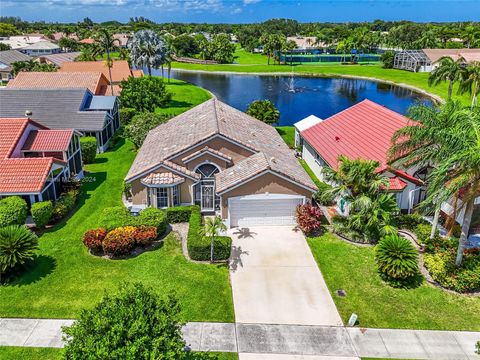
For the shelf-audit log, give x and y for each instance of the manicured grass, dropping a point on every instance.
(184, 97)
(320, 184)
(352, 268)
(66, 279)
(32, 353)
(288, 135)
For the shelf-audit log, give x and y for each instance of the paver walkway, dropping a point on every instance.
(282, 342)
(275, 279)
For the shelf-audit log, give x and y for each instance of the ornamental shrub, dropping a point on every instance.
(178, 214)
(13, 211)
(152, 217)
(119, 241)
(477, 349)
(144, 94)
(308, 218)
(134, 323)
(64, 204)
(42, 213)
(144, 235)
(396, 257)
(88, 145)
(93, 239)
(17, 245)
(409, 221)
(126, 115)
(118, 216)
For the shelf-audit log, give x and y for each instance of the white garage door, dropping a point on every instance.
(268, 209)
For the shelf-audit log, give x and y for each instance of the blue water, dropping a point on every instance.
(322, 97)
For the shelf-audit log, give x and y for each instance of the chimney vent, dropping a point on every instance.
(28, 113)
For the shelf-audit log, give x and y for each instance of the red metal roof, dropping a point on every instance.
(362, 131)
(48, 140)
(396, 184)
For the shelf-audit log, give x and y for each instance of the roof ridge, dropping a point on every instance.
(215, 114)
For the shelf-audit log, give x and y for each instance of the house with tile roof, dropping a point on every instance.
(224, 160)
(35, 161)
(363, 131)
(58, 59)
(7, 58)
(69, 108)
(96, 82)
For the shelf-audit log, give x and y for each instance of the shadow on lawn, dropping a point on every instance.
(179, 104)
(35, 270)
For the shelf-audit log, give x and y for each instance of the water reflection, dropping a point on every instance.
(322, 97)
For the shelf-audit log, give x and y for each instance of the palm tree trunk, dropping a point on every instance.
(149, 68)
(467, 219)
(453, 217)
(211, 249)
(169, 69)
(436, 216)
(450, 88)
(109, 64)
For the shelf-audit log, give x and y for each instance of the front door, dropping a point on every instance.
(208, 197)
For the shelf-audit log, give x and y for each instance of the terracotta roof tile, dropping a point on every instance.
(396, 184)
(207, 149)
(166, 178)
(120, 69)
(24, 175)
(48, 140)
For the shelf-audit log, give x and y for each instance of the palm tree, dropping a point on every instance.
(212, 228)
(148, 49)
(106, 41)
(470, 81)
(448, 70)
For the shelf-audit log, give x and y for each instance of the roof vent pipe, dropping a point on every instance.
(28, 113)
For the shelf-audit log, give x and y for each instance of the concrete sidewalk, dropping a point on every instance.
(262, 341)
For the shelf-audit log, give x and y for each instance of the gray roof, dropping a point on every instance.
(60, 58)
(10, 56)
(41, 45)
(216, 118)
(55, 108)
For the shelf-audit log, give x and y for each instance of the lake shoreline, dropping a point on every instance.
(436, 99)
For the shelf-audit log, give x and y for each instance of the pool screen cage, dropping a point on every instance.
(411, 60)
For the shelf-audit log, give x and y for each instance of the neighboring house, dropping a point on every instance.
(77, 109)
(35, 161)
(96, 82)
(306, 42)
(363, 131)
(59, 35)
(7, 58)
(87, 41)
(426, 60)
(120, 71)
(121, 39)
(41, 48)
(303, 125)
(58, 59)
(21, 41)
(223, 160)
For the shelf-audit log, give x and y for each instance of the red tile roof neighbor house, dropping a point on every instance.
(362, 131)
(48, 140)
(120, 69)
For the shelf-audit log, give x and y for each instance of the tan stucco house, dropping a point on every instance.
(223, 160)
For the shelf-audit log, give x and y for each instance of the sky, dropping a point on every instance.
(242, 11)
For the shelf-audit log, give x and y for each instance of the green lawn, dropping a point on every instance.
(352, 268)
(288, 135)
(32, 353)
(184, 96)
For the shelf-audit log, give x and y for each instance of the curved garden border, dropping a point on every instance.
(435, 98)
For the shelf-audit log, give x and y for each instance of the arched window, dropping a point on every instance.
(207, 171)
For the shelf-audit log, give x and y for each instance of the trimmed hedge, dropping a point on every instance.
(119, 216)
(42, 213)
(13, 211)
(199, 246)
(126, 115)
(179, 214)
(64, 204)
(88, 145)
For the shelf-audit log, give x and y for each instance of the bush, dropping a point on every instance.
(126, 115)
(477, 349)
(118, 216)
(387, 59)
(134, 323)
(152, 217)
(179, 214)
(199, 246)
(144, 94)
(141, 124)
(396, 257)
(119, 241)
(308, 218)
(264, 110)
(409, 221)
(88, 145)
(17, 245)
(13, 211)
(144, 235)
(93, 239)
(42, 213)
(64, 204)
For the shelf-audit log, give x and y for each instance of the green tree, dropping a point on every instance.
(17, 245)
(221, 50)
(447, 70)
(141, 124)
(89, 52)
(8, 29)
(106, 41)
(31, 65)
(134, 323)
(387, 59)
(212, 228)
(4, 47)
(144, 93)
(264, 110)
(184, 45)
(148, 49)
(470, 81)
(69, 44)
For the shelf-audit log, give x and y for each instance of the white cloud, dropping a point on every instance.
(248, 2)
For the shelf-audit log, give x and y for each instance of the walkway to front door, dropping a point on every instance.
(275, 279)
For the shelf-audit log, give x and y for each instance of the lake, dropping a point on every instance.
(302, 96)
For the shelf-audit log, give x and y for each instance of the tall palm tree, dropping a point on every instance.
(147, 49)
(212, 228)
(106, 41)
(448, 70)
(470, 81)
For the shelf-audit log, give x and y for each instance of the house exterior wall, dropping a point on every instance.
(310, 157)
(267, 183)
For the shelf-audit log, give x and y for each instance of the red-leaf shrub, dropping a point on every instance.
(92, 239)
(308, 218)
(144, 235)
(119, 241)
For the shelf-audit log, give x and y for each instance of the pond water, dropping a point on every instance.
(299, 97)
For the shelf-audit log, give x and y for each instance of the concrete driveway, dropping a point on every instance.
(275, 279)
